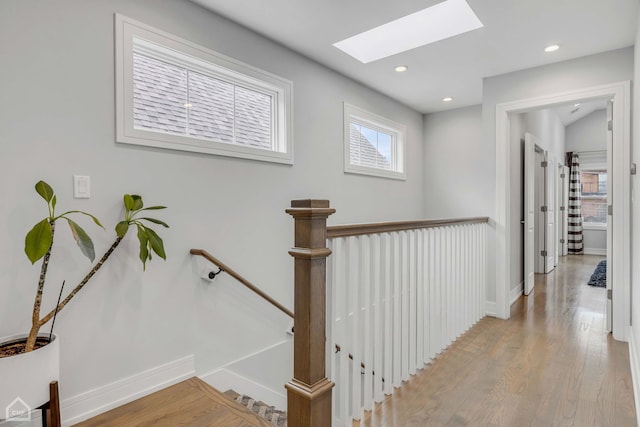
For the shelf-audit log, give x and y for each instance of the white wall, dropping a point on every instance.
(548, 128)
(57, 119)
(635, 225)
(589, 71)
(454, 160)
(590, 134)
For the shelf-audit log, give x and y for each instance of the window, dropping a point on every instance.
(373, 145)
(171, 93)
(594, 196)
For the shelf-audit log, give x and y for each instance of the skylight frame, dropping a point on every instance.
(441, 21)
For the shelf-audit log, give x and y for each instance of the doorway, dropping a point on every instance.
(620, 214)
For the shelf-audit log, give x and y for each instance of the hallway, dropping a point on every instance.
(551, 364)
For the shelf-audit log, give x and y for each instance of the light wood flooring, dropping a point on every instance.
(551, 364)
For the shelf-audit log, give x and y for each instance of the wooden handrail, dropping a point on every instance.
(206, 255)
(386, 227)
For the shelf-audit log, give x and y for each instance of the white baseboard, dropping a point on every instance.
(594, 251)
(224, 379)
(491, 308)
(516, 292)
(94, 402)
(635, 372)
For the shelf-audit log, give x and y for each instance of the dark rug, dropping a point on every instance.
(599, 276)
(275, 417)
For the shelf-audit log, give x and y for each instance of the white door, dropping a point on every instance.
(609, 309)
(529, 211)
(558, 200)
(564, 211)
(550, 216)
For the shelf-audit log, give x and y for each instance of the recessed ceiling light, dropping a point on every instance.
(401, 68)
(552, 48)
(446, 19)
(447, 99)
(187, 105)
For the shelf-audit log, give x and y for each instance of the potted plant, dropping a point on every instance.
(29, 362)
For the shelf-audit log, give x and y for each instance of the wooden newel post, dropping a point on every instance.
(309, 392)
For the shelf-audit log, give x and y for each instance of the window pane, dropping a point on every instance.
(159, 95)
(211, 111)
(253, 118)
(384, 151)
(594, 196)
(369, 147)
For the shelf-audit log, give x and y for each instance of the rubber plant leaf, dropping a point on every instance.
(137, 202)
(128, 202)
(154, 208)
(156, 221)
(38, 240)
(121, 228)
(156, 243)
(144, 251)
(82, 239)
(44, 190)
(96, 220)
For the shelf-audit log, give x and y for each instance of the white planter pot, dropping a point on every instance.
(27, 376)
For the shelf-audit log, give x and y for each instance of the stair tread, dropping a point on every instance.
(189, 403)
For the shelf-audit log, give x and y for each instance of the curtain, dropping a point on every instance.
(574, 243)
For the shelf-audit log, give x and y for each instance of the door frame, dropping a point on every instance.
(620, 93)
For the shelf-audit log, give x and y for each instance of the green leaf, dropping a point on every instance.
(96, 220)
(156, 243)
(154, 208)
(144, 251)
(44, 190)
(156, 221)
(137, 202)
(82, 239)
(38, 241)
(128, 202)
(54, 200)
(121, 228)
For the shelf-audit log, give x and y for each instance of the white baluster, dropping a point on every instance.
(386, 254)
(354, 335)
(367, 341)
(397, 320)
(377, 264)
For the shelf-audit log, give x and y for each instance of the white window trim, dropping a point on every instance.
(594, 226)
(375, 121)
(210, 63)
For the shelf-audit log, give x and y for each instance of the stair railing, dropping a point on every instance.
(226, 269)
(398, 294)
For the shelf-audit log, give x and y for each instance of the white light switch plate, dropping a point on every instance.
(81, 187)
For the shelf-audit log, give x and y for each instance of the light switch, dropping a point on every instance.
(81, 187)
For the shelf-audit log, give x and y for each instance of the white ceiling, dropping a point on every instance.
(513, 38)
(570, 113)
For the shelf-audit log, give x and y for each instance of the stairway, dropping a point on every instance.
(189, 403)
(275, 417)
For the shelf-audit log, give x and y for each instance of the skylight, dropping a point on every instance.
(438, 22)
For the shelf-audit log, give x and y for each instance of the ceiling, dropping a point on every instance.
(513, 38)
(574, 111)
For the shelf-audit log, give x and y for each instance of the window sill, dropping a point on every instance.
(591, 226)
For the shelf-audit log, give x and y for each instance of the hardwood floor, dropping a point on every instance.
(188, 403)
(551, 364)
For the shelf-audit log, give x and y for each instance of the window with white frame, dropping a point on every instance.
(171, 93)
(594, 187)
(373, 145)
